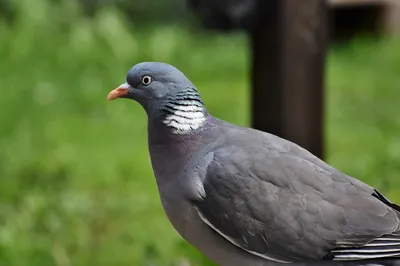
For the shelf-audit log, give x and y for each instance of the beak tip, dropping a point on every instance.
(110, 97)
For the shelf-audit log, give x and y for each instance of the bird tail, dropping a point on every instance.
(386, 246)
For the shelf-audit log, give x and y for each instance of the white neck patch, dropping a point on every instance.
(184, 116)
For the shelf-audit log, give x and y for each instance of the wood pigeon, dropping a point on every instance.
(246, 197)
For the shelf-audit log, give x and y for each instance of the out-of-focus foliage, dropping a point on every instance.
(363, 118)
(138, 11)
(76, 185)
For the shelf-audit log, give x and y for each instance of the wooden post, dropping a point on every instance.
(288, 67)
(391, 17)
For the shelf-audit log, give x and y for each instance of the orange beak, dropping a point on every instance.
(119, 92)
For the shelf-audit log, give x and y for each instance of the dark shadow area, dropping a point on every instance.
(349, 21)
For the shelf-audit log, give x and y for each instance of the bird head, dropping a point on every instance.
(165, 93)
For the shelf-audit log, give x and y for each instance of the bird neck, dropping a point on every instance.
(184, 112)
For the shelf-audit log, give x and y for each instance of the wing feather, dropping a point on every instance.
(239, 245)
(381, 247)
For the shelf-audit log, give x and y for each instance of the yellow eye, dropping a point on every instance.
(146, 80)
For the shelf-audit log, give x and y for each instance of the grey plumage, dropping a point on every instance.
(246, 197)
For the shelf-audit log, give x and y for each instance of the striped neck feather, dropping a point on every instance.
(184, 111)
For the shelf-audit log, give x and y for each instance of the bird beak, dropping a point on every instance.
(119, 92)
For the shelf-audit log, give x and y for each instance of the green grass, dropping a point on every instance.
(76, 184)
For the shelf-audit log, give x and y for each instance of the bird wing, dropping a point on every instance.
(282, 207)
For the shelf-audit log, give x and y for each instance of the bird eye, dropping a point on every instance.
(146, 80)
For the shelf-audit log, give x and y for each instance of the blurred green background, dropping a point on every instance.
(76, 184)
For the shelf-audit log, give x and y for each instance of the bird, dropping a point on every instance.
(247, 197)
